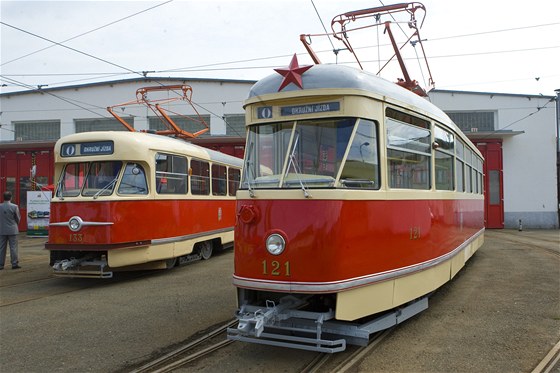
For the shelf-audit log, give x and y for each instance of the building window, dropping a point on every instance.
(190, 124)
(475, 121)
(37, 130)
(235, 125)
(101, 124)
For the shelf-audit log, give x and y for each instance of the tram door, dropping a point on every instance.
(493, 183)
(16, 177)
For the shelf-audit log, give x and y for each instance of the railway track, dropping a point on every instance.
(44, 285)
(345, 361)
(189, 352)
(214, 340)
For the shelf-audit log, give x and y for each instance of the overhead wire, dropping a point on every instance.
(73, 102)
(13, 81)
(335, 51)
(202, 68)
(70, 48)
(88, 32)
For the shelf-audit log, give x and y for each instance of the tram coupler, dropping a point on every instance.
(83, 267)
(253, 319)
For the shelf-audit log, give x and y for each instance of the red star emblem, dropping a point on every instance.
(292, 74)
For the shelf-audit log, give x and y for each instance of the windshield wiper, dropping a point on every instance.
(247, 166)
(106, 187)
(60, 189)
(293, 162)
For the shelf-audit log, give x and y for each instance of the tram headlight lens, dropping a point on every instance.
(275, 244)
(75, 223)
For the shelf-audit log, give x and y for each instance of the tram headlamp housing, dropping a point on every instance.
(275, 244)
(75, 223)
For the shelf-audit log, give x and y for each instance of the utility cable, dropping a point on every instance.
(335, 51)
(70, 48)
(88, 32)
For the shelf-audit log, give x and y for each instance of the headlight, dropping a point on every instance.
(75, 223)
(275, 244)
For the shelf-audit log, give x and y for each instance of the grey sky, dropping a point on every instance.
(489, 46)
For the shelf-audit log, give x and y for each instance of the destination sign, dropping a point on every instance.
(89, 148)
(309, 108)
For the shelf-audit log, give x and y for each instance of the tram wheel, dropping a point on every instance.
(170, 263)
(205, 249)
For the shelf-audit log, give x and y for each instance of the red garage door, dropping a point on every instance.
(493, 182)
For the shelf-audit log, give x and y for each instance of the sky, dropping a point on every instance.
(477, 45)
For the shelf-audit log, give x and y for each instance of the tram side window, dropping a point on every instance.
(234, 175)
(479, 177)
(133, 180)
(171, 174)
(460, 154)
(408, 151)
(200, 175)
(219, 180)
(444, 158)
(468, 171)
(361, 169)
(72, 180)
(102, 178)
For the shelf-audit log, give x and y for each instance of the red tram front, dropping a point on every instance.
(357, 197)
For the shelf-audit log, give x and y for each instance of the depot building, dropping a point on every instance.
(517, 134)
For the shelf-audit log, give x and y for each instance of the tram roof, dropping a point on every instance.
(325, 76)
(140, 141)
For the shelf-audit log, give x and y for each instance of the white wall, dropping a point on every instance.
(529, 158)
(90, 101)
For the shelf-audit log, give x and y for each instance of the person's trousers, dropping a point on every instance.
(4, 241)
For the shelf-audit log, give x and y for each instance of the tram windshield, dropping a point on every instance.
(90, 179)
(324, 153)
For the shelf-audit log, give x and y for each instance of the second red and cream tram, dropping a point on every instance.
(134, 200)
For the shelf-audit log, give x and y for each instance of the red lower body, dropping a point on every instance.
(136, 222)
(337, 240)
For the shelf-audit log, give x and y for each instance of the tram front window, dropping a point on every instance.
(102, 178)
(133, 180)
(72, 180)
(308, 154)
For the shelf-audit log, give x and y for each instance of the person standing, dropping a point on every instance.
(9, 220)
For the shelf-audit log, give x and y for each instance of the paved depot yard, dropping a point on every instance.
(500, 314)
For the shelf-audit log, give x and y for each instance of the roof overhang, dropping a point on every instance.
(493, 134)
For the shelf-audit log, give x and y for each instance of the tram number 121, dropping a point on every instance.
(414, 233)
(276, 268)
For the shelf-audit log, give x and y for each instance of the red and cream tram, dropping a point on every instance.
(134, 200)
(358, 199)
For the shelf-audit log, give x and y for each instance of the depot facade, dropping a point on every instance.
(517, 134)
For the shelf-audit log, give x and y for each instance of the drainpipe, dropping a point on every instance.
(558, 150)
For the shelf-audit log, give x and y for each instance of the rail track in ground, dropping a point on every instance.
(344, 361)
(209, 342)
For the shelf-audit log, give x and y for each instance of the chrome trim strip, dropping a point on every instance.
(160, 241)
(85, 223)
(336, 286)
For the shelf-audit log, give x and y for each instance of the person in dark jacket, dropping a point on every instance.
(9, 220)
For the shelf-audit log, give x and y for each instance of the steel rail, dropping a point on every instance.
(166, 359)
(318, 364)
